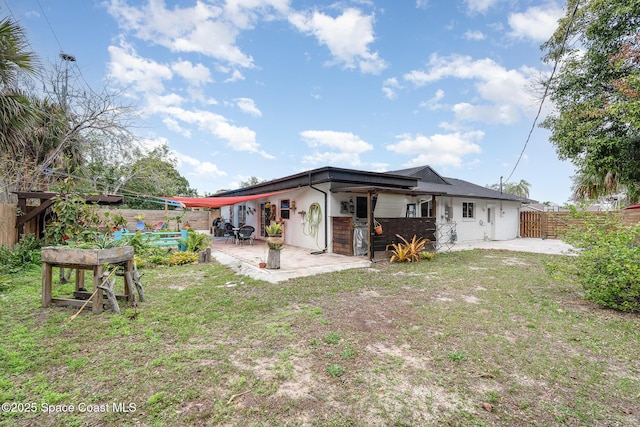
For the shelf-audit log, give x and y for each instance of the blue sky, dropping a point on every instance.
(268, 88)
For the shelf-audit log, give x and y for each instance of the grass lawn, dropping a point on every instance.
(470, 338)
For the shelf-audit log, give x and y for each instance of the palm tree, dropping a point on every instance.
(520, 189)
(16, 110)
(589, 186)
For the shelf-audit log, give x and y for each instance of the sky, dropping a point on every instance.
(269, 88)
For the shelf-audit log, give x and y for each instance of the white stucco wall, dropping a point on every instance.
(504, 214)
(298, 231)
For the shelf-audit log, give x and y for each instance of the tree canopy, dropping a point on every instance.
(596, 90)
(520, 188)
(65, 131)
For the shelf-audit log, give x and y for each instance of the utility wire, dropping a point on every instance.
(546, 89)
(50, 27)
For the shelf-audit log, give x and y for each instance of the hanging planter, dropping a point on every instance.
(377, 227)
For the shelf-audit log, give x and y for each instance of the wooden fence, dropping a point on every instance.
(8, 232)
(554, 225)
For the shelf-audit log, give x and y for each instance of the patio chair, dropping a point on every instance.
(228, 232)
(245, 234)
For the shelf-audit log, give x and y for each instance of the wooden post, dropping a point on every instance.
(46, 284)
(138, 282)
(107, 286)
(79, 279)
(128, 282)
(273, 259)
(97, 297)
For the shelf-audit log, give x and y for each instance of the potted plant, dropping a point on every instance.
(275, 242)
(119, 221)
(274, 229)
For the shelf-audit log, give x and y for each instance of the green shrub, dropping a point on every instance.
(181, 258)
(25, 253)
(608, 262)
(195, 242)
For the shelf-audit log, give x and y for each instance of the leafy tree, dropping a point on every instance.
(155, 174)
(596, 90)
(520, 188)
(45, 133)
(249, 182)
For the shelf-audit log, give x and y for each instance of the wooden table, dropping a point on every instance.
(81, 260)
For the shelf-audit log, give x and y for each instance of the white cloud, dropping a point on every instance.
(506, 92)
(437, 150)
(189, 29)
(480, 5)
(473, 35)
(248, 106)
(505, 114)
(434, 103)
(236, 75)
(422, 4)
(536, 23)
(196, 75)
(389, 87)
(347, 37)
(128, 69)
(237, 138)
(197, 167)
(344, 147)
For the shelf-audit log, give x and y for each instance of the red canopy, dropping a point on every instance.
(216, 202)
(633, 207)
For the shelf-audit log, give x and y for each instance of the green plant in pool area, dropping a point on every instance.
(335, 370)
(195, 242)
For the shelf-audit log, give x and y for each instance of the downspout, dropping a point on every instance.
(326, 226)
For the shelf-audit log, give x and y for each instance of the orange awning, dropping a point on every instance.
(217, 202)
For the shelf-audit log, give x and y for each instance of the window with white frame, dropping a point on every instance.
(468, 210)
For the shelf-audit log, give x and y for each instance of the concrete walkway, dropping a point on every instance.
(540, 246)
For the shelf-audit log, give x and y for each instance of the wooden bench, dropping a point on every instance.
(157, 238)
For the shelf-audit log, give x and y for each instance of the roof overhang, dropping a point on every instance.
(378, 190)
(335, 176)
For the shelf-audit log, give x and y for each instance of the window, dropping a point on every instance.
(284, 208)
(468, 210)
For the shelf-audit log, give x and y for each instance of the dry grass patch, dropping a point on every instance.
(469, 338)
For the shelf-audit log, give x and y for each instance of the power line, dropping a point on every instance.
(546, 89)
(49, 24)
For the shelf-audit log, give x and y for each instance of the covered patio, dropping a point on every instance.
(294, 261)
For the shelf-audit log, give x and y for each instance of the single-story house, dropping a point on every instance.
(336, 210)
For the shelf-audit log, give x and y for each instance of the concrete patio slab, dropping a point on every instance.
(294, 261)
(541, 246)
